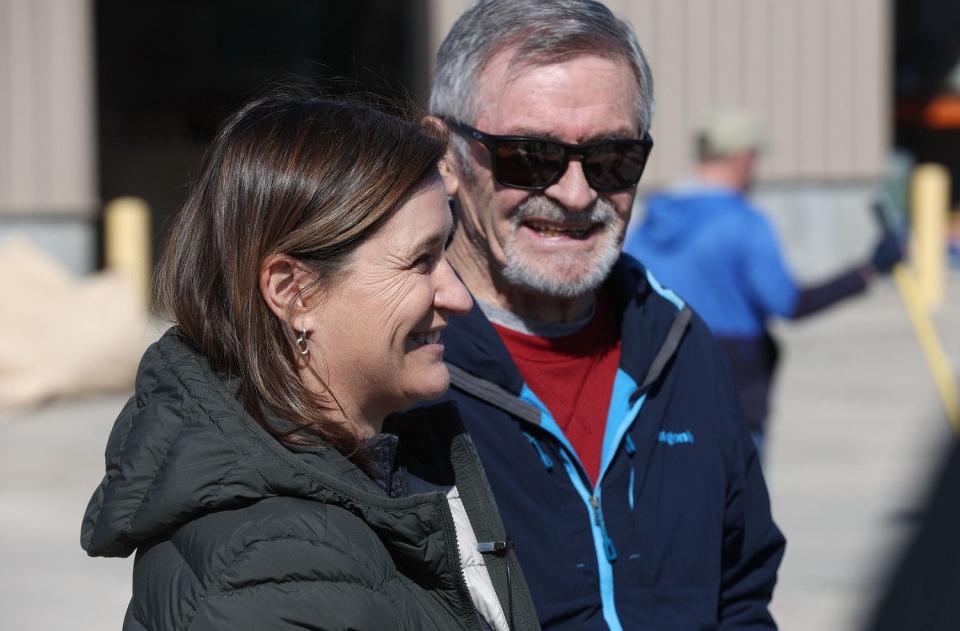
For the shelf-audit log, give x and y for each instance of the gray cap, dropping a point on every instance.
(724, 133)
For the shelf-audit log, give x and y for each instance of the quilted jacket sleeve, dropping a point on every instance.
(269, 566)
(335, 601)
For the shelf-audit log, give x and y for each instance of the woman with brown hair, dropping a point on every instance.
(264, 471)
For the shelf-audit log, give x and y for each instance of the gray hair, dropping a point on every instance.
(542, 31)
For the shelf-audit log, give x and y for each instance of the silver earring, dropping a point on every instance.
(303, 345)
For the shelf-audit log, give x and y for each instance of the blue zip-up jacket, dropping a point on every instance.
(677, 532)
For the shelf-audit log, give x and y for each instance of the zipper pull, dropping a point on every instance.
(608, 546)
(631, 447)
(494, 547)
(544, 456)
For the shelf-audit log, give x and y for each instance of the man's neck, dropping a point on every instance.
(527, 326)
(483, 282)
(721, 174)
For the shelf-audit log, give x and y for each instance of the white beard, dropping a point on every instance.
(563, 276)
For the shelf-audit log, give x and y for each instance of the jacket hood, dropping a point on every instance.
(675, 216)
(184, 446)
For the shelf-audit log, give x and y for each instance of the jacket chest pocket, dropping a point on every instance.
(668, 520)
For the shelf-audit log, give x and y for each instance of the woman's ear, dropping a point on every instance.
(282, 279)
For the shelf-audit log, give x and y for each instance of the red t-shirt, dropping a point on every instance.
(573, 376)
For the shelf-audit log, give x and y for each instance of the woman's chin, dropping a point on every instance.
(433, 386)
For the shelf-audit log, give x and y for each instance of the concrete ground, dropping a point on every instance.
(856, 430)
(50, 462)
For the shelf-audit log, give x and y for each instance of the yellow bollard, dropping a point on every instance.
(126, 226)
(933, 351)
(929, 203)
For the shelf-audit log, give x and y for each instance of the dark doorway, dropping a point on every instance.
(927, 83)
(169, 71)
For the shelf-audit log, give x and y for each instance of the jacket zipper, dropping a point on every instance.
(501, 548)
(594, 489)
(591, 497)
(453, 551)
(608, 546)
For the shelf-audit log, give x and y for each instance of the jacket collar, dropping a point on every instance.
(651, 328)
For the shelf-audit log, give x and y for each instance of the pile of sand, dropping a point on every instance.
(61, 334)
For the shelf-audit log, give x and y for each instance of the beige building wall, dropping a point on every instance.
(48, 153)
(814, 72)
(47, 122)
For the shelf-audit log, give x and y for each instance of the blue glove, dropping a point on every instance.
(887, 253)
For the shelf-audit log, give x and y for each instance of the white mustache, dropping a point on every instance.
(602, 212)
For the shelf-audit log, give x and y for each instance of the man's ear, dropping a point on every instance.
(282, 278)
(449, 171)
(449, 166)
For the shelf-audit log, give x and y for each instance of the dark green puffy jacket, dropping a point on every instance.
(235, 531)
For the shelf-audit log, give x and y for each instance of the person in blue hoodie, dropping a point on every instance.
(602, 409)
(705, 240)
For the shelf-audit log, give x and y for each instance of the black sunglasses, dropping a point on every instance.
(537, 163)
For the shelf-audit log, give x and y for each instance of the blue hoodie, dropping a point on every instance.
(720, 254)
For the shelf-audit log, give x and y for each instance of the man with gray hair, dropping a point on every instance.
(603, 411)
